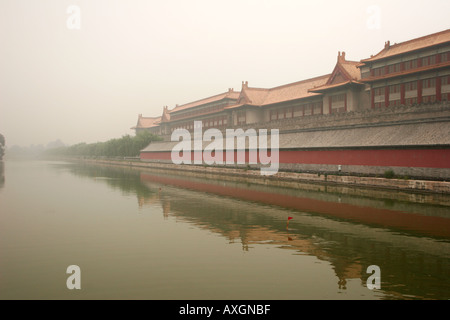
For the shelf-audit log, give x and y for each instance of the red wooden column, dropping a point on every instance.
(386, 96)
(345, 102)
(438, 89)
(419, 90)
(402, 94)
(372, 98)
(329, 103)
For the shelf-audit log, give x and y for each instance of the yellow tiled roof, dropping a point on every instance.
(296, 90)
(230, 94)
(351, 67)
(411, 45)
(288, 92)
(147, 122)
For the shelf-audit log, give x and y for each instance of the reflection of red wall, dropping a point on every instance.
(425, 158)
(430, 225)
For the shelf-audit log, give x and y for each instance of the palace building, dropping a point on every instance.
(147, 123)
(364, 116)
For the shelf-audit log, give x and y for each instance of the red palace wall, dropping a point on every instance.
(420, 158)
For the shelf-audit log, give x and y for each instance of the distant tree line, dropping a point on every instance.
(127, 146)
(2, 146)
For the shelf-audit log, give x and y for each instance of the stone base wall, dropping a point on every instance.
(322, 169)
(333, 179)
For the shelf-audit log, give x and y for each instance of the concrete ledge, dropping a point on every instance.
(369, 182)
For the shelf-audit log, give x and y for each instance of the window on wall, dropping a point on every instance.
(411, 93)
(394, 89)
(427, 61)
(338, 98)
(411, 64)
(411, 86)
(241, 117)
(429, 90)
(391, 68)
(379, 92)
(445, 56)
(394, 68)
(273, 115)
(318, 108)
(288, 112)
(338, 103)
(445, 88)
(214, 122)
(429, 83)
(308, 109)
(394, 95)
(379, 97)
(379, 71)
(298, 111)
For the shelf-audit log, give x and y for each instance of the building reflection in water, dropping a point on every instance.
(349, 235)
(408, 238)
(156, 199)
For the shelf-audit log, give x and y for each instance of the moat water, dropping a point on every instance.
(148, 234)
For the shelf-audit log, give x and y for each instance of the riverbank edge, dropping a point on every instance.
(440, 187)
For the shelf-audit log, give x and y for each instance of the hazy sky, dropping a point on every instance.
(136, 56)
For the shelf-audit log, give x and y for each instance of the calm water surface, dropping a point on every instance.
(161, 235)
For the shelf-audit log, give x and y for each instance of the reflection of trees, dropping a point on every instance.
(2, 174)
(120, 178)
(2, 146)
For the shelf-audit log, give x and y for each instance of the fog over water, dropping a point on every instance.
(88, 84)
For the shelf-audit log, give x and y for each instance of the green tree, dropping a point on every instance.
(126, 146)
(2, 146)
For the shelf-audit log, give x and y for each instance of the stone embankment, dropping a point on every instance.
(281, 177)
